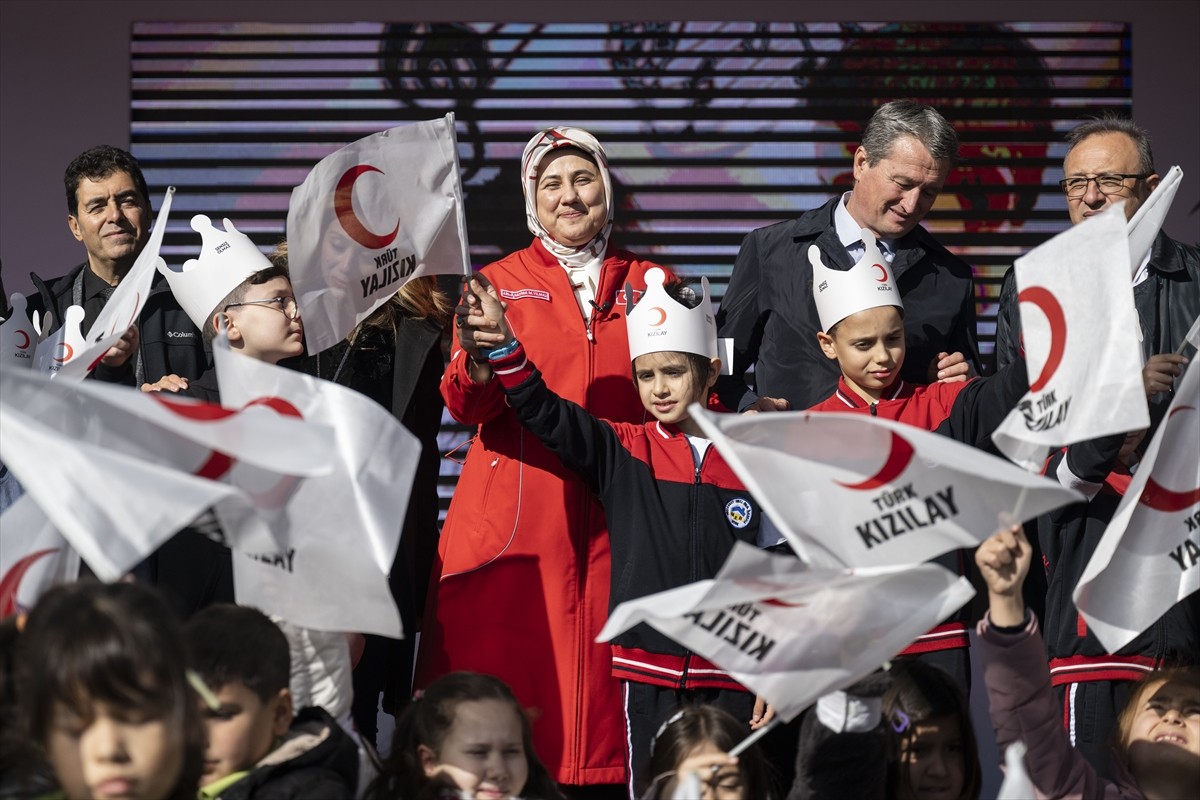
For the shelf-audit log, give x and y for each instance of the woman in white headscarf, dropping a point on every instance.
(521, 589)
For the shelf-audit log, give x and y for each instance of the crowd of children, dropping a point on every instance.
(106, 692)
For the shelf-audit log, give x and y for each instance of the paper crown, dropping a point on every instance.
(659, 323)
(18, 336)
(840, 293)
(227, 257)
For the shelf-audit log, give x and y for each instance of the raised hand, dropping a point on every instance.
(1003, 561)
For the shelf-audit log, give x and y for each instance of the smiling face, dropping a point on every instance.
(112, 220)
(113, 754)
(1165, 728)
(263, 331)
(893, 196)
(1106, 154)
(869, 348)
(570, 198)
(484, 751)
(668, 382)
(933, 758)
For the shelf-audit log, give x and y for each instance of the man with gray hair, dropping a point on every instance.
(900, 167)
(1109, 160)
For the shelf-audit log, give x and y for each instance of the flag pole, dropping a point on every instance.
(1192, 336)
(744, 744)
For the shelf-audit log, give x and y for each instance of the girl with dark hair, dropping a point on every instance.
(465, 737)
(932, 754)
(693, 746)
(102, 690)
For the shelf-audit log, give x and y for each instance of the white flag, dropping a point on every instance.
(370, 217)
(851, 490)
(118, 471)
(1149, 556)
(1017, 784)
(34, 557)
(792, 634)
(123, 307)
(1150, 216)
(1079, 327)
(337, 534)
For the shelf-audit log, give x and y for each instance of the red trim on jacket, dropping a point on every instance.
(1082, 669)
(947, 636)
(675, 672)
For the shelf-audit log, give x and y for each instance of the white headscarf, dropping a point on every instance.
(592, 252)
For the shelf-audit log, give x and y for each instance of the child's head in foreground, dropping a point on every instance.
(862, 320)
(102, 689)
(466, 730)
(1158, 733)
(233, 285)
(703, 730)
(243, 657)
(932, 754)
(673, 347)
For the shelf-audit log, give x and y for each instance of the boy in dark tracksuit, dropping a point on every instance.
(674, 507)
(863, 330)
(1092, 684)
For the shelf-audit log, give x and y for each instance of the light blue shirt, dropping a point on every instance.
(850, 234)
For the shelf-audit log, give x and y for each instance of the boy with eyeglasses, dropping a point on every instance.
(234, 286)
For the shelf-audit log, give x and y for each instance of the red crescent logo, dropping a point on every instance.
(662, 317)
(11, 581)
(882, 272)
(217, 463)
(23, 345)
(897, 461)
(1160, 498)
(67, 353)
(1041, 297)
(782, 603)
(344, 207)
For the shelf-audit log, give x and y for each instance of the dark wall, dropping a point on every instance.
(64, 79)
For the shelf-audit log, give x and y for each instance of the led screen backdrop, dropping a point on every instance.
(712, 128)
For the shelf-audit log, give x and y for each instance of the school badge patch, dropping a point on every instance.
(738, 511)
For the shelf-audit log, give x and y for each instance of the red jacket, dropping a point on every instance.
(522, 578)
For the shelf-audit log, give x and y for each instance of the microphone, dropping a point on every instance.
(601, 309)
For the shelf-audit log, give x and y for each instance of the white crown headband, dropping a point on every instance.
(227, 257)
(659, 323)
(840, 293)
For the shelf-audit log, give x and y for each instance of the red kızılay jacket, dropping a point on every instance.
(520, 588)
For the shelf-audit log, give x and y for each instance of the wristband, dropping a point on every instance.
(503, 351)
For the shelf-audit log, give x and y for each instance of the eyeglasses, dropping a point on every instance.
(284, 305)
(1112, 183)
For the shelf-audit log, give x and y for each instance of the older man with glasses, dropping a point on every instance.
(1109, 160)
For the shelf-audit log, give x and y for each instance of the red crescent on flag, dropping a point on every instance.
(67, 353)
(343, 205)
(1041, 297)
(25, 344)
(217, 463)
(1160, 498)
(897, 461)
(782, 603)
(11, 581)
(662, 317)
(882, 272)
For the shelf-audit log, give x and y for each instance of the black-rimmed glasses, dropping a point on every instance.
(284, 305)
(1109, 183)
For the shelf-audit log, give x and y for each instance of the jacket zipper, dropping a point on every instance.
(693, 544)
(873, 405)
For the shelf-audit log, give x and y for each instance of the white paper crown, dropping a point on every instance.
(227, 257)
(659, 323)
(840, 293)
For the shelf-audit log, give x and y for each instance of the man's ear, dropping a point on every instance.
(826, 342)
(1152, 183)
(73, 224)
(860, 163)
(283, 713)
